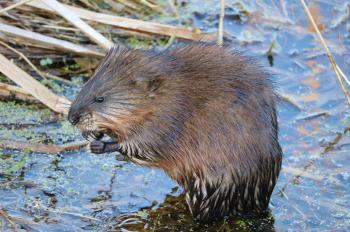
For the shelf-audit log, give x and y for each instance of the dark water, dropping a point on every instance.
(78, 191)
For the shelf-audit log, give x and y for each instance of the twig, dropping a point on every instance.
(34, 87)
(329, 147)
(220, 39)
(74, 146)
(150, 5)
(343, 75)
(41, 74)
(303, 173)
(170, 41)
(24, 58)
(133, 24)
(41, 148)
(13, 6)
(290, 101)
(61, 28)
(68, 82)
(7, 217)
(14, 92)
(340, 75)
(76, 21)
(313, 116)
(269, 52)
(17, 221)
(46, 41)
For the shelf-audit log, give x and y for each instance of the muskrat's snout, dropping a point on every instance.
(73, 117)
(84, 122)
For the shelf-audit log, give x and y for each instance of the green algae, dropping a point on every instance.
(25, 134)
(14, 112)
(21, 163)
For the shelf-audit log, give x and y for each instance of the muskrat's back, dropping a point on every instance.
(203, 113)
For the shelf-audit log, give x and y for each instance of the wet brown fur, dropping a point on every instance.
(203, 113)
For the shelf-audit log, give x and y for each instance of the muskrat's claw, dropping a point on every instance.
(92, 135)
(98, 135)
(97, 147)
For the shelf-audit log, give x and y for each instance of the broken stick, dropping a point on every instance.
(41, 148)
(133, 24)
(76, 21)
(47, 41)
(14, 92)
(35, 88)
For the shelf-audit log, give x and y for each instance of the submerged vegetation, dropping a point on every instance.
(76, 190)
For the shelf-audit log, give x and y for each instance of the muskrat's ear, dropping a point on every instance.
(149, 84)
(154, 84)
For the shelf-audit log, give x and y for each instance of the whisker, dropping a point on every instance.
(101, 115)
(105, 115)
(113, 114)
(116, 108)
(124, 99)
(119, 95)
(124, 103)
(117, 113)
(121, 100)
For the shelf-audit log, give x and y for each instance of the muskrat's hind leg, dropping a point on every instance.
(99, 147)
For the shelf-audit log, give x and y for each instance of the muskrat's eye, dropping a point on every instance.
(99, 99)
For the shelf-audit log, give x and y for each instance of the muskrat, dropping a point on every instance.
(204, 114)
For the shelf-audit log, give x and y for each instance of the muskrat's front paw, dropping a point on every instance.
(97, 147)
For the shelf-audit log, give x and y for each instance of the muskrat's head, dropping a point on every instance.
(120, 95)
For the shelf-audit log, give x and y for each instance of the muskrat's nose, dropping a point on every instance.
(73, 117)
